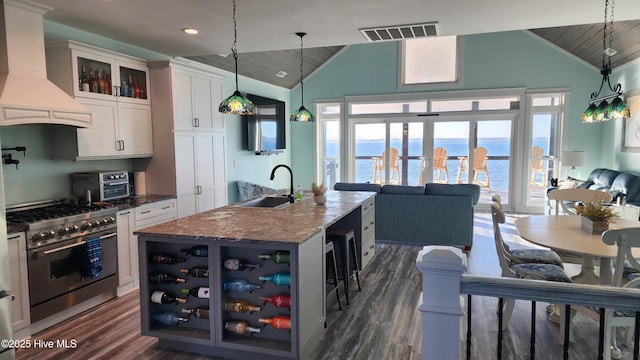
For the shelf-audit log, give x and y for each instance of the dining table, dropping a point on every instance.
(563, 233)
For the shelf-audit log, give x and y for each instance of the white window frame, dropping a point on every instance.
(320, 139)
(430, 86)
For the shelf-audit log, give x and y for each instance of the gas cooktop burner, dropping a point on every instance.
(50, 212)
(49, 222)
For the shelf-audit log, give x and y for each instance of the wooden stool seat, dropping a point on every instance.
(345, 240)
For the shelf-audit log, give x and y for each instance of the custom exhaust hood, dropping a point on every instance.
(26, 95)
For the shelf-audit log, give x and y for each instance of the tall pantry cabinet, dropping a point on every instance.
(189, 136)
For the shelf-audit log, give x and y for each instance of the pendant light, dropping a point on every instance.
(599, 109)
(302, 114)
(236, 104)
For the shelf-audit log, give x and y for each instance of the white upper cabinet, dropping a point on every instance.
(195, 100)
(115, 88)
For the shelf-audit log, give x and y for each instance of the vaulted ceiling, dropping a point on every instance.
(266, 29)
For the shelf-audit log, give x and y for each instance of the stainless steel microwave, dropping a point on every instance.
(104, 185)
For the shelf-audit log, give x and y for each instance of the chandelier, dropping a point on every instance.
(600, 109)
(236, 104)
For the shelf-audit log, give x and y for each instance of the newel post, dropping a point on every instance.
(441, 304)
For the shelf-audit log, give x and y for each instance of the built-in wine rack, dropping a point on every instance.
(195, 328)
(269, 336)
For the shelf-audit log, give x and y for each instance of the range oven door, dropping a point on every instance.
(58, 270)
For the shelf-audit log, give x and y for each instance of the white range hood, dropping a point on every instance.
(26, 95)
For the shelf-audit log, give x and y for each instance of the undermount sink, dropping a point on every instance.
(278, 202)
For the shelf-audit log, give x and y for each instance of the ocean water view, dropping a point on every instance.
(496, 147)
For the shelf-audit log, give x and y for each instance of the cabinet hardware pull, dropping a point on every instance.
(122, 145)
(366, 228)
(145, 212)
(116, 90)
(196, 122)
(366, 253)
(166, 207)
(126, 213)
(371, 246)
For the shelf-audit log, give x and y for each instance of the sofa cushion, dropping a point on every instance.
(628, 184)
(357, 187)
(402, 189)
(600, 179)
(471, 190)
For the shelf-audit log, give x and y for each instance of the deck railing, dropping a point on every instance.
(444, 281)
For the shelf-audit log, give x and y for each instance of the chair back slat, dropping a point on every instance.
(564, 196)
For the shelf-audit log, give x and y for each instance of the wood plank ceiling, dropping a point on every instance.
(583, 41)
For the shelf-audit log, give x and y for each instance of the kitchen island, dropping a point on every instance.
(244, 233)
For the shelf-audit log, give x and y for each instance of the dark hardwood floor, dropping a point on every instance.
(382, 322)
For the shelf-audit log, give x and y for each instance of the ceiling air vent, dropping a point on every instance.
(399, 32)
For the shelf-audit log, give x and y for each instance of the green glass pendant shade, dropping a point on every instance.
(618, 110)
(236, 104)
(302, 115)
(589, 114)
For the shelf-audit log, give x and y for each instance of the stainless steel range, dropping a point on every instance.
(71, 253)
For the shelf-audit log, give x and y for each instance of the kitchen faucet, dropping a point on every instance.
(273, 173)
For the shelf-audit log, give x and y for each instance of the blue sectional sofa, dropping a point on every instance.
(617, 183)
(434, 214)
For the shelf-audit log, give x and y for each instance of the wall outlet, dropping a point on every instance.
(236, 163)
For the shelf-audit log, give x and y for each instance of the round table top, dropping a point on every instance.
(563, 232)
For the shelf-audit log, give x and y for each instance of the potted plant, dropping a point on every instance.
(318, 193)
(595, 216)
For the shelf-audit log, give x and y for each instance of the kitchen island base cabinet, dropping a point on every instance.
(306, 291)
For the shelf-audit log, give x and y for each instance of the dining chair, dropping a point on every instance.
(527, 255)
(537, 167)
(480, 165)
(627, 275)
(565, 198)
(440, 165)
(533, 271)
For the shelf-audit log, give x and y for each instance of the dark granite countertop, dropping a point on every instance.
(293, 224)
(135, 201)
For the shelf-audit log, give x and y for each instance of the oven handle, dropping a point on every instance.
(49, 252)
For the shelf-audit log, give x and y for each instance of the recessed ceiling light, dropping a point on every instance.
(190, 31)
(281, 74)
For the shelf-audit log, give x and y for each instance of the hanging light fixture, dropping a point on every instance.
(599, 108)
(236, 104)
(302, 114)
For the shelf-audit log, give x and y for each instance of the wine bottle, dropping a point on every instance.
(167, 318)
(281, 300)
(200, 272)
(130, 93)
(199, 291)
(106, 83)
(100, 88)
(162, 297)
(278, 322)
(200, 313)
(240, 327)
(136, 89)
(279, 257)
(239, 285)
(84, 80)
(124, 89)
(239, 306)
(159, 258)
(198, 250)
(162, 278)
(281, 278)
(93, 82)
(236, 264)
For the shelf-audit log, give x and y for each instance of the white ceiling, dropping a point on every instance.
(267, 25)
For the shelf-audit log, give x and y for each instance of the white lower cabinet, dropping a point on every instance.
(127, 253)
(130, 220)
(21, 316)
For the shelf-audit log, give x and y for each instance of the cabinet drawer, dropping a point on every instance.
(368, 224)
(368, 250)
(368, 206)
(155, 213)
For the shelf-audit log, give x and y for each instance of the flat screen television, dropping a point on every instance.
(265, 131)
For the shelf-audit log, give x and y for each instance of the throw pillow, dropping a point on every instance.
(569, 183)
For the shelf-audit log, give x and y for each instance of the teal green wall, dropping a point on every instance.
(491, 61)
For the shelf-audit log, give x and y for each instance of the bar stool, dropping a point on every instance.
(346, 243)
(332, 267)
